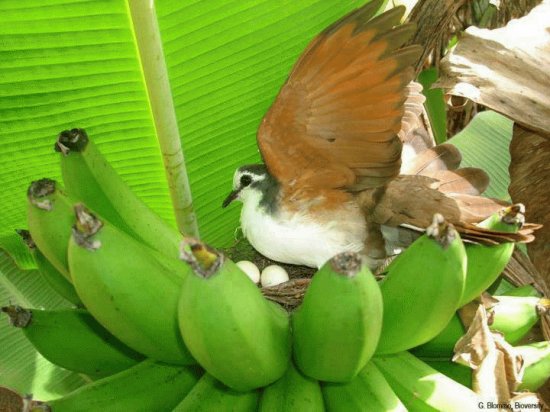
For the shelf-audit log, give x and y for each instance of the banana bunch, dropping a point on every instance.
(166, 323)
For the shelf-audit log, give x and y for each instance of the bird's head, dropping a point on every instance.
(250, 181)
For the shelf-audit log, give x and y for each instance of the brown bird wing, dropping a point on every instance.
(335, 122)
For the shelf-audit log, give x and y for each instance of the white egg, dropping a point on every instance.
(250, 269)
(273, 275)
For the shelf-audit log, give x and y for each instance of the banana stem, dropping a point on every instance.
(152, 60)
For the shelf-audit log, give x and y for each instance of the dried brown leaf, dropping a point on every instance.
(497, 367)
(505, 69)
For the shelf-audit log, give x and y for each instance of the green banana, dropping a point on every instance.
(72, 339)
(514, 316)
(422, 288)
(131, 292)
(486, 263)
(235, 334)
(422, 388)
(293, 392)
(89, 178)
(502, 287)
(49, 273)
(146, 387)
(210, 395)
(367, 392)
(50, 217)
(524, 290)
(442, 345)
(505, 288)
(457, 372)
(536, 358)
(337, 326)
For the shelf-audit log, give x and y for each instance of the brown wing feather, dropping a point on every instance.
(413, 200)
(334, 123)
(441, 157)
(482, 236)
(467, 180)
(414, 106)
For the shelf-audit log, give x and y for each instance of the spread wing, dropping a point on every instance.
(335, 122)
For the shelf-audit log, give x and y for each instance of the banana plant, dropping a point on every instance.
(171, 92)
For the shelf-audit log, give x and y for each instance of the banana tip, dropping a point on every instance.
(204, 259)
(441, 230)
(346, 263)
(19, 317)
(27, 238)
(38, 193)
(74, 140)
(513, 215)
(86, 226)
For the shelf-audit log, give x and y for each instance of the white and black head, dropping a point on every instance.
(253, 179)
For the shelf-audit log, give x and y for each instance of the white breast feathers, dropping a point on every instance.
(293, 237)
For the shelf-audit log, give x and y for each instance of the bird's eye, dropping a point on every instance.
(245, 180)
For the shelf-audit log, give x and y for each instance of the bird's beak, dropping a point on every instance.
(232, 196)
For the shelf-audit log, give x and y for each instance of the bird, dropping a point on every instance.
(345, 168)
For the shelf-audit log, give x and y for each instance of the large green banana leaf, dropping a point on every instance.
(484, 143)
(75, 63)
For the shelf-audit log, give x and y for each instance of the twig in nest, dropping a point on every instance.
(288, 294)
